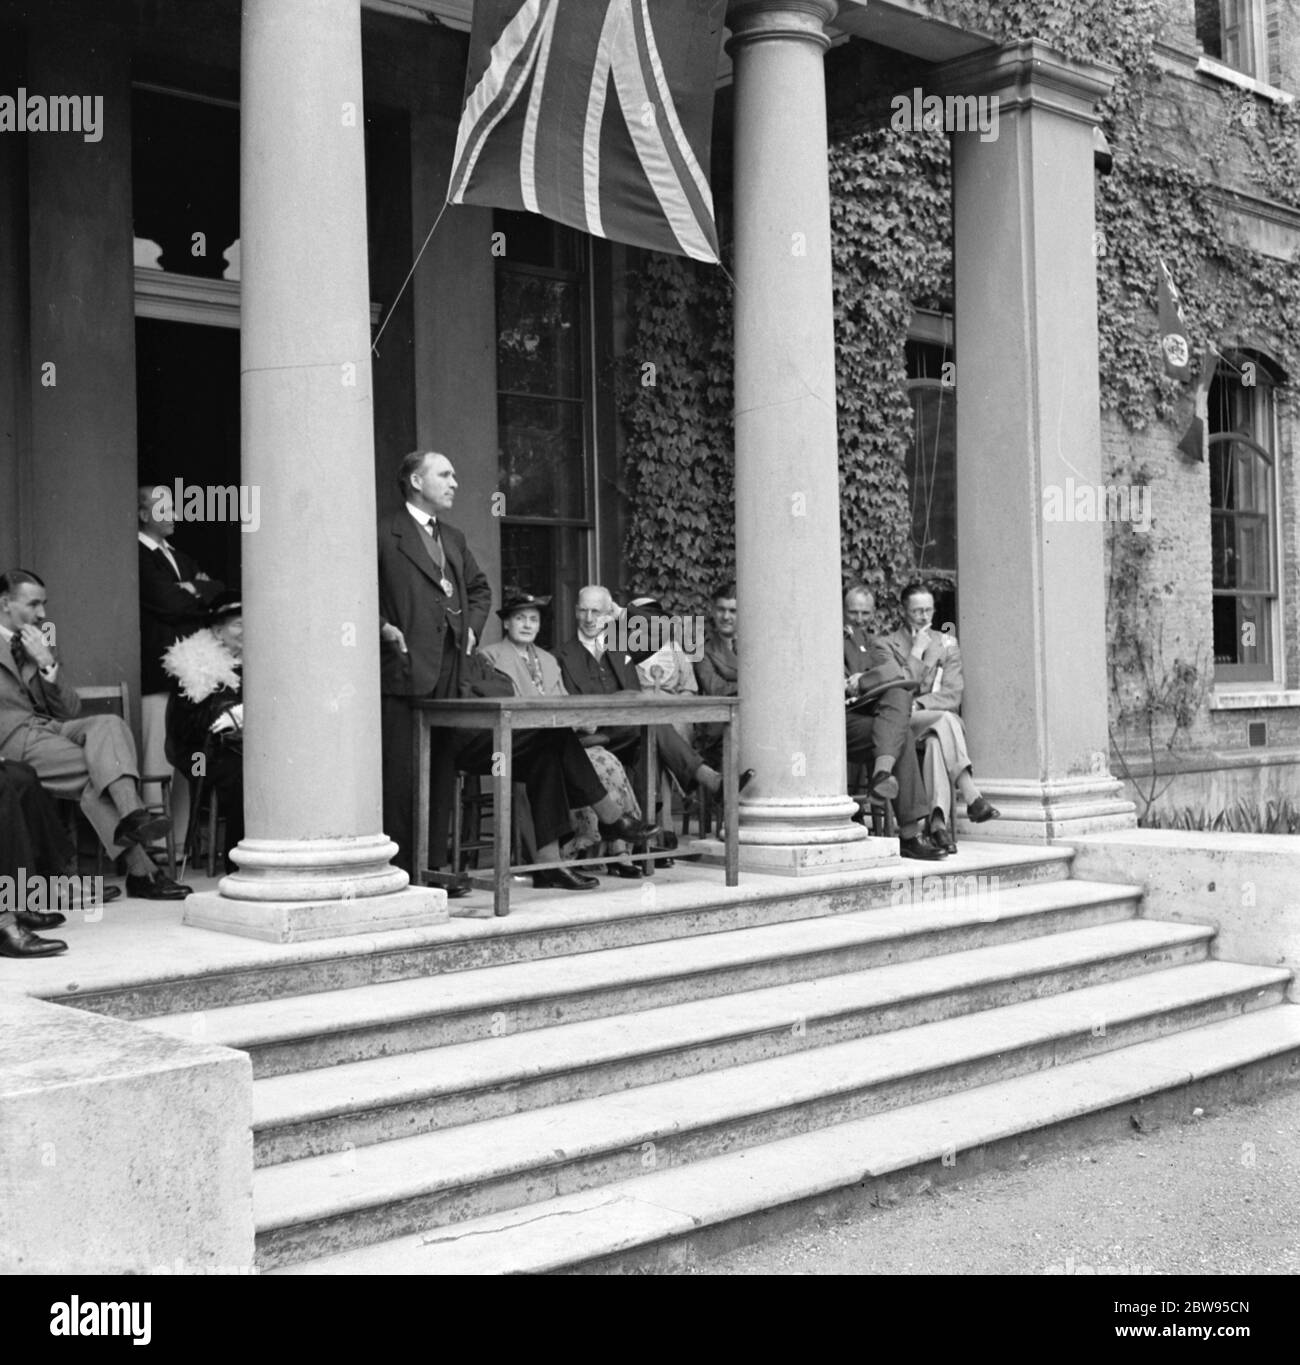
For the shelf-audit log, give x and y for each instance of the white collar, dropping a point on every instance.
(424, 518)
(590, 644)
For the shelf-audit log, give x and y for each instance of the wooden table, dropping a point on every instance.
(504, 715)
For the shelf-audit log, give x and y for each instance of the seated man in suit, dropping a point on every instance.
(174, 598)
(879, 692)
(718, 670)
(934, 659)
(92, 758)
(591, 669)
(32, 841)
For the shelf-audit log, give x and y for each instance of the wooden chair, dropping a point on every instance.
(115, 700)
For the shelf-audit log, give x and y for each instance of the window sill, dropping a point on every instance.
(1208, 66)
(1253, 698)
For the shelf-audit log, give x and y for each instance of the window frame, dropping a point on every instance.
(1265, 423)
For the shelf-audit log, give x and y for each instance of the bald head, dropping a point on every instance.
(859, 606)
(594, 610)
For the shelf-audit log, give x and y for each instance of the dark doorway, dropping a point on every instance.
(187, 399)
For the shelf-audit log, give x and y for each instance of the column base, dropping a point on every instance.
(300, 921)
(803, 860)
(1042, 812)
(781, 821)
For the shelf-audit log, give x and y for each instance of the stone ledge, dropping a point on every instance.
(1244, 885)
(121, 1151)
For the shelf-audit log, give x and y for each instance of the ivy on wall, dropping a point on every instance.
(891, 248)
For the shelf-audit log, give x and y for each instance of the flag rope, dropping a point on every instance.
(392, 308)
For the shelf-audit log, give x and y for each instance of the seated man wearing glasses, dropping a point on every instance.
(933, 657)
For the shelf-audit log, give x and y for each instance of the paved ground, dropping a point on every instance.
(1219, 1194)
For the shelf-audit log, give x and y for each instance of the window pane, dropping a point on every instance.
(551, 562)
(932, 477)
(537, 335)
(1222, 468)
(542, 464)
(1252, 553)
(529, 239)
(1223, 552)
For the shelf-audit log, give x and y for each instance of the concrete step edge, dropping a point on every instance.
(493, 1063)
(314, 1188)
(286, 1018)
(565, 1231)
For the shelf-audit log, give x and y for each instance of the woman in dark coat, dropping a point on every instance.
(205, 712)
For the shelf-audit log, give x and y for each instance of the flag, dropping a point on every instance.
(596, 114)
(1193, 443)
(1174, 346)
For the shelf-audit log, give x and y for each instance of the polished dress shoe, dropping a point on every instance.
(629, 830)
(941, 836)
(15, 941)
(632, 871)
(883, 785)
(742, 782)
(159, 887)
(979, 810)
(564, 879)
(918, 846)
(40, 919)
(140, 828)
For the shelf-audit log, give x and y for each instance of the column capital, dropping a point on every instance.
(751, 21)
(1028, 75)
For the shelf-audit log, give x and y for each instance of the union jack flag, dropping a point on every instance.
(538, 131)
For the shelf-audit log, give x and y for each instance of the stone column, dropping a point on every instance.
(314, 863)
(1032, 590)
(795, 816)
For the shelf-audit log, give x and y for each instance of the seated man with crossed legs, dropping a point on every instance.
(879, 692)
(933, 657)
(91, 758)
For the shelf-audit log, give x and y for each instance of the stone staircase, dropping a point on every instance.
(629, 1085)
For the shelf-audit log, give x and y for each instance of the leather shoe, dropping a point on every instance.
(564, 879)
(39, 919)
(632, 871)
(979, 810)
(625, 827)
(941, 836)
(159, 887)
(883, 785)
(15, 941)
(918, 846)
(140, 828)
(742, 782)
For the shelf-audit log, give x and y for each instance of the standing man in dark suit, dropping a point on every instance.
(174, 598)
(433, 602)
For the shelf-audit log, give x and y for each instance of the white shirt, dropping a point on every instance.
(595, 646)
(424, 518)
(150, 543)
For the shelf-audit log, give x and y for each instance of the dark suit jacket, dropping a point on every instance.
(167, 612)
(583, 676)
(411, 600)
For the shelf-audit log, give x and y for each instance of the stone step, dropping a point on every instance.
(369, 1194)
(360, 1103)
(324, 1029)
(662, 1213)
(680, 902)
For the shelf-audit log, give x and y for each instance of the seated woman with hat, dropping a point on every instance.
(588, 777)
(205, 712)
